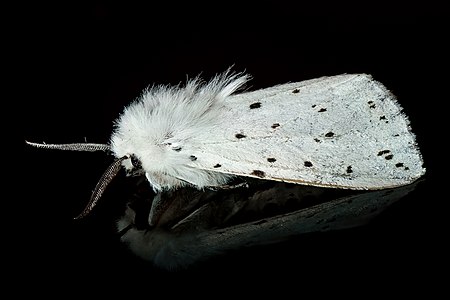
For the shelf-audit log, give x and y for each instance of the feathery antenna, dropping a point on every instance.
(91, 147)
(106, 178)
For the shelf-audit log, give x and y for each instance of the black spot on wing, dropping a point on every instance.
(217, 166)
(386, 154)
(322, 109)
(193, 157)
(177, 148)
(258, 173)
(240, 136)
(316, 140)
(308, 164)
(329, 134)
(398, 165)
(271, 159)
(275, 125)
(349, 169)
(296, 91)
(383, 118)
(255, 105)
(382, 152)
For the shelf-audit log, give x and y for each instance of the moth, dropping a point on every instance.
(346, 131)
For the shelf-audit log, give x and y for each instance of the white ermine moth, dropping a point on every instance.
(345, 131)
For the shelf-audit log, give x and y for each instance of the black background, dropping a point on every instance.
(79, 65)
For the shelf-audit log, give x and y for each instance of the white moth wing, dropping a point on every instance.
(344, 131)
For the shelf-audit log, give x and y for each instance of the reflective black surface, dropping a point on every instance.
(81, 65)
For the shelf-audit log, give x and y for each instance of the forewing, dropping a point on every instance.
(343, 131)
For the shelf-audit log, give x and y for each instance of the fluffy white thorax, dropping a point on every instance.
(162, 127)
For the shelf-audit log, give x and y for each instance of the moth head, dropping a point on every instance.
(133, 165)
(131, 162)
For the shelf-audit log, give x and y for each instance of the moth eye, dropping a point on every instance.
(135, 161)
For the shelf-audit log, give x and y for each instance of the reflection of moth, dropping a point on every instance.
(345, 131)
(193, 226)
